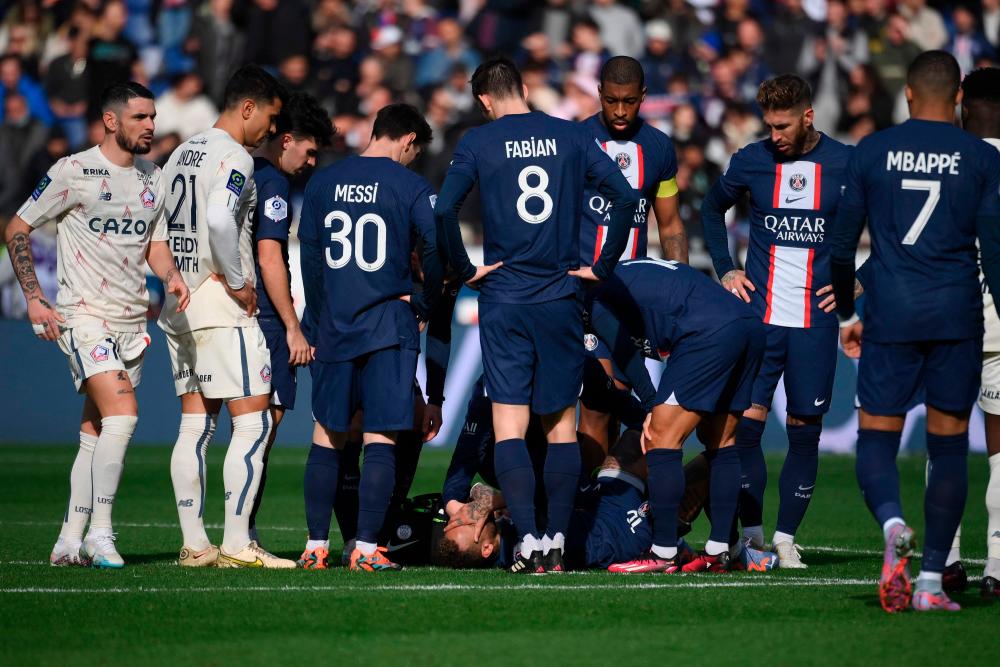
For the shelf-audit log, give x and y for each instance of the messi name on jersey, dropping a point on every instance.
(530, 148)
(356, 194)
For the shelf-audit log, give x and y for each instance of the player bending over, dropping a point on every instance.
(360, 221)
(108, 205)
(646, 158)
(794, 180)
(217, 349)
(532, 169)
(652, 308)
(303, 127)
(926, 189)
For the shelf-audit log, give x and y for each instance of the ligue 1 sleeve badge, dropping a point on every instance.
(148, 198)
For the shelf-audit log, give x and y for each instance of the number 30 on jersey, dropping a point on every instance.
(355, 248)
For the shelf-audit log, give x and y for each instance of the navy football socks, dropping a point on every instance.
(517, 482)
(378, 476)
(346, 505)
(320, 485)
(798, 476)
(408, 449)
(666, 488)
(562, 472)
(877, 474)
(754, 471)
(724, 490)
(944, 501)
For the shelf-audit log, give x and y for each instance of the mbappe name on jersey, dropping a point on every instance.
(530, 148)
(925, 163)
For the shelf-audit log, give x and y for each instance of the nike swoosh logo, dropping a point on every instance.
(819, 402)
(806, 488)
(396, 547)
(257, 562)
(792, 201)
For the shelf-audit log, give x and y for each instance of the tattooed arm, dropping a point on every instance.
(44, 317)
(483, 502)
(161, 261)
(673, 237)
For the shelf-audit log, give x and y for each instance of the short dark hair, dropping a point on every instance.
(787, 91)
(252, 82)
(498, 77)
(119, 94)
(398, 120)
(982, 85)
(304, 116)
(935, 74)
(623, 71)
(447, 554)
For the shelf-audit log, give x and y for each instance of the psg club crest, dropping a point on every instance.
(797, 182)
(99, 353)
(624, 161)
(404, 532)
(265, 373)
(147, 198)
(590, 342)
(644, 509)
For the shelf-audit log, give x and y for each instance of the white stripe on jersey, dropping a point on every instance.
(797, 185)
(789, 286)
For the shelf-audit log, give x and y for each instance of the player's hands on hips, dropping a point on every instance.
(850, 339)
(736, 282)
(482, 272)
(585, 273)
(176, 286)
(246, 296)
(829, 302)
(44, 318)
(421, 324)
(300, 353)
(432, 421)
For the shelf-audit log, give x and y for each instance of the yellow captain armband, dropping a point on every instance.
(667, 188)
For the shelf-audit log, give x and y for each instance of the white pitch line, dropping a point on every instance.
(446, 588)
(874, 552)
(129, 524)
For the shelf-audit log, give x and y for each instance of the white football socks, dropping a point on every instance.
(665, 553)
(81, 492)
(955, 553)
(188, 471)
(713, 548)
(782, 537)
(107, 464)
(887, 526)
(558, 541)
(241, 476)
(993, 519)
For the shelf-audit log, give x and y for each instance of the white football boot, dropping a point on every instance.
(66, 553)
(253, 555)
(191, 557)
(789, 555)
(99, 547)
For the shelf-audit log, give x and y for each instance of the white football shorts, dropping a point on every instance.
(222, 362)
(93, 350)
(989, 390)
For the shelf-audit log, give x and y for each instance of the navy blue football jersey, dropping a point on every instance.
(649, 163)
(364, 214)
(922, 186)
(793, 204)
(271, 220)
(531, 170)
(658, 302)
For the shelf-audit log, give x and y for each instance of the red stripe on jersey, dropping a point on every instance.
(816, 198)
(809, 278)
(635, 243)
(777, 199)
(640, 180)
(770, 280)
(599, 243)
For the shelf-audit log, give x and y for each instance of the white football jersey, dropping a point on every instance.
(106, 217)
(991, 339)
(207, 164)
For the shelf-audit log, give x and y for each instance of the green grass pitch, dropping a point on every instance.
(154, 613)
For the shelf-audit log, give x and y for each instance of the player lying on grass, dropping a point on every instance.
(109, 208)
(473, 456)
(654, 308)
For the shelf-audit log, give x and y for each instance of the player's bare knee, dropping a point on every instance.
(802, 420)
(947, 422)
(756, 411)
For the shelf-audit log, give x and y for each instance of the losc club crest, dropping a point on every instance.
(99, 353)
(624, 161)
(797, 182)
(265, 373)
(147, 198)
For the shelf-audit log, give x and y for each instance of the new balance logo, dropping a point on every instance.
(186, 502)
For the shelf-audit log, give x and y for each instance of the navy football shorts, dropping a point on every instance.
(808, 360)
(612, 525)
(533, 353)
(283, 375)
(598, 349)
(380, 383)
(714, 373)
(894, 377)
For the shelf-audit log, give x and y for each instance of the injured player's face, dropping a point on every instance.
(458, 549)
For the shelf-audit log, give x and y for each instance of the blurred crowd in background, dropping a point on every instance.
(703, 61)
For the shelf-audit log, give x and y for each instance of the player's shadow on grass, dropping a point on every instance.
(154, 559)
